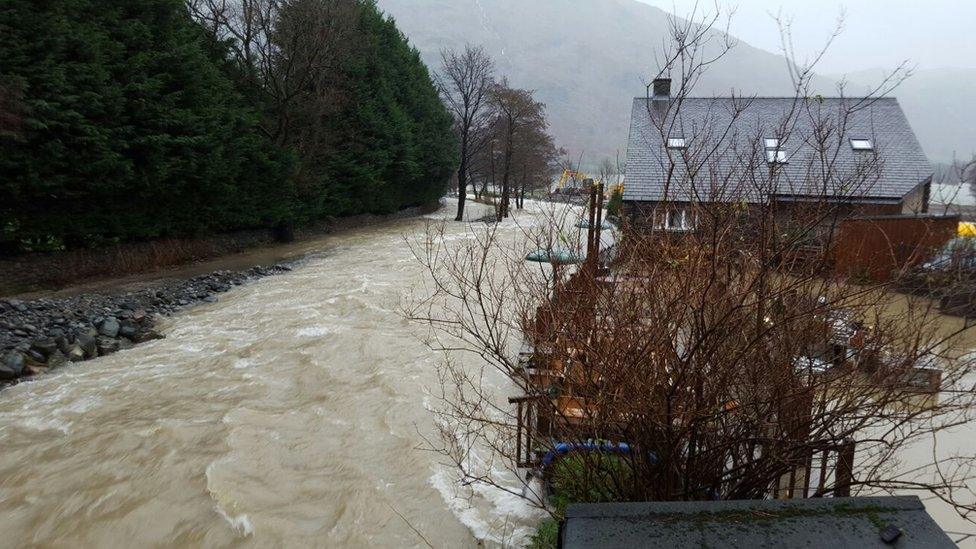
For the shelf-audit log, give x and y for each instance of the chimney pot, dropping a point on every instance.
(662, 88)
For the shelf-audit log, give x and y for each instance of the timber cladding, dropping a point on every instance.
(875, 247)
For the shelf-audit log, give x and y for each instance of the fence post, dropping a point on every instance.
(844, 474)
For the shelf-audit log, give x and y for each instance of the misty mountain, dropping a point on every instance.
(587, 59)
(939, 103)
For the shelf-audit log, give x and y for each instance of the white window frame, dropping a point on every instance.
(684, 217)
(776, 156)
(677, 143)
(862, 145)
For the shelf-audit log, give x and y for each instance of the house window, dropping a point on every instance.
(774, 154)
(862, 145)
(676, 143)
(679, 219)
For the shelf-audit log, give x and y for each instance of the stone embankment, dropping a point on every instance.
(41, 335)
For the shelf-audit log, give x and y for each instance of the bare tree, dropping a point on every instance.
(516, 112)
(290, 51)
(724, 360)
(465, 83)
(536, 159)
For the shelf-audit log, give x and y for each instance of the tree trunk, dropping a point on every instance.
(520, 200)
(462, 178)
(506, 187)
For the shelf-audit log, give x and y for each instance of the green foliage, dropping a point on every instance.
(130, 129)
(400, 151)
(581, 478)
(133, 125)
(546, 536)
(588, 478)
(615, 203)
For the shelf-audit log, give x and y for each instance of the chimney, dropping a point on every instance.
(662, 89)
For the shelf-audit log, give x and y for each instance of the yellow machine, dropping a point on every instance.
(570, 175)
(579, 177)
(966, 229)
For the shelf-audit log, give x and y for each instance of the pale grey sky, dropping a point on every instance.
(877, 33)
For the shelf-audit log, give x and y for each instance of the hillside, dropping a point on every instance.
(588, 58)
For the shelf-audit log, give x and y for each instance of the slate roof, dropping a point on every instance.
(838, 523)
(733, 147)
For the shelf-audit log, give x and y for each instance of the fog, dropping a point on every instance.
(877, 33)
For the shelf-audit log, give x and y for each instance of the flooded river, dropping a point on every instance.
(288, 414)
(291, 413)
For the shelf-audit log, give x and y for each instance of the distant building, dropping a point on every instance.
(837, 523)
(877, 165)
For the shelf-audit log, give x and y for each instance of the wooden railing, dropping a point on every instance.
(826, 471)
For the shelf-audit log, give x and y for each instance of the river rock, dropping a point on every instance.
(63, 344)
(128, 329)
(12, 366)
(88, 344)
(109, 327)
(75, 353)
(106, 345)
(45, 346)
(56, 360)
(46, 332)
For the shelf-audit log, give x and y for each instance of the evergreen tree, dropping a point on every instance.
(398, 149)
(127, 120)
(131, 130)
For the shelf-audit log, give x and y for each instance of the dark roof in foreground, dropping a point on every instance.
(837, 523)
(703, 123)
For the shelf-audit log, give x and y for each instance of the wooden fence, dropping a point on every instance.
(876, 247)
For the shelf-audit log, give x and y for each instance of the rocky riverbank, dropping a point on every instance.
(40, 335)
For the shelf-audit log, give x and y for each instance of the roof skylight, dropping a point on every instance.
(862, 145)
(676, 143)
(776, 156)
(771, 143)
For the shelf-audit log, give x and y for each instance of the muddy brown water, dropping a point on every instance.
(290, 413)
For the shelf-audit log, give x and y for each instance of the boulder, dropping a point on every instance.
(45, 346)
(88, 344)
(63, 345)
(128, 329)
(106, 345)
(12, 366)
(109, 327)
(75, 353)
(56, 360)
